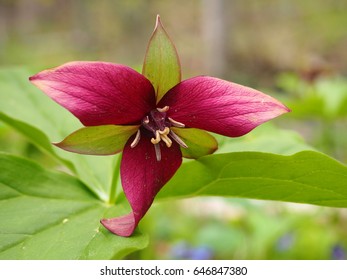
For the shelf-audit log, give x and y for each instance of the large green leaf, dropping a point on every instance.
(43, 121)
(265, 138)
(306, 177)
(49, 215)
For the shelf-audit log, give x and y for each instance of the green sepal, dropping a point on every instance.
(199, 142)
(161, 66)
(98, 140)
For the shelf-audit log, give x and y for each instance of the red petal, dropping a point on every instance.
(220, 106)
(98, 93)
(142, 178)
(122, 226)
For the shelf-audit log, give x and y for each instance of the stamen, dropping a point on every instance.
(157, 152)
(136, 140)
(157, 138)
(177, 139)
(176, 123)
(146, 119)
(165, 131)
(167, 140)
(160, 125)
(164, 109)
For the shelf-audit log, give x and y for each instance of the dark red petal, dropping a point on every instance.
(98, 93)
(122, 226)
(142, 177)
(220, 106)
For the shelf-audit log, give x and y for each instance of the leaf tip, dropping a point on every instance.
(157, 21)
(158, 25)
(62, 146)
(57, 144)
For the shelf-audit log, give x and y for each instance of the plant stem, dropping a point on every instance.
(114, 183)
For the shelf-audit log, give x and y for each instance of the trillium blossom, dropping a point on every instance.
(152, 117)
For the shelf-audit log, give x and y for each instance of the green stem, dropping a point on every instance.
(114, 183)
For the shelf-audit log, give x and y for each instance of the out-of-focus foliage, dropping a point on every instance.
(254, 40)
(239, 229)
(324, 98)
(319, 110)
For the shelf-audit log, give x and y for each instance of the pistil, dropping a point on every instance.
(164, 109)
(166, 140)
(157, 138)
(162, 135)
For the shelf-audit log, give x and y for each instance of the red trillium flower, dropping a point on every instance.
(152, 117)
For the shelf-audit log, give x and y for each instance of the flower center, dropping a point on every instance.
(157, 123)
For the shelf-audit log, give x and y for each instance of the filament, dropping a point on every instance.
(178, 140)
(136, 140)
(176, 123)
(157, 152)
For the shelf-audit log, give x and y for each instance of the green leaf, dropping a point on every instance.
(161, 65)
(49, 215)
(325, 97)
(98, 140)
(42, 121)
(265, 138)
(36, 136)
(306, 177)
(199, 142)
(333, 92)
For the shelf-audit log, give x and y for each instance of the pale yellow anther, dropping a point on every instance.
(166, 140)
(162, 135)
(157, 138)
(166, 131)
(164, 109)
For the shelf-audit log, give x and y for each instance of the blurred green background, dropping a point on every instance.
(293, 50)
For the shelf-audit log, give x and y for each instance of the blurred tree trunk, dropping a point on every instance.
(7, 21)
(215, 36)
(27, 13)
